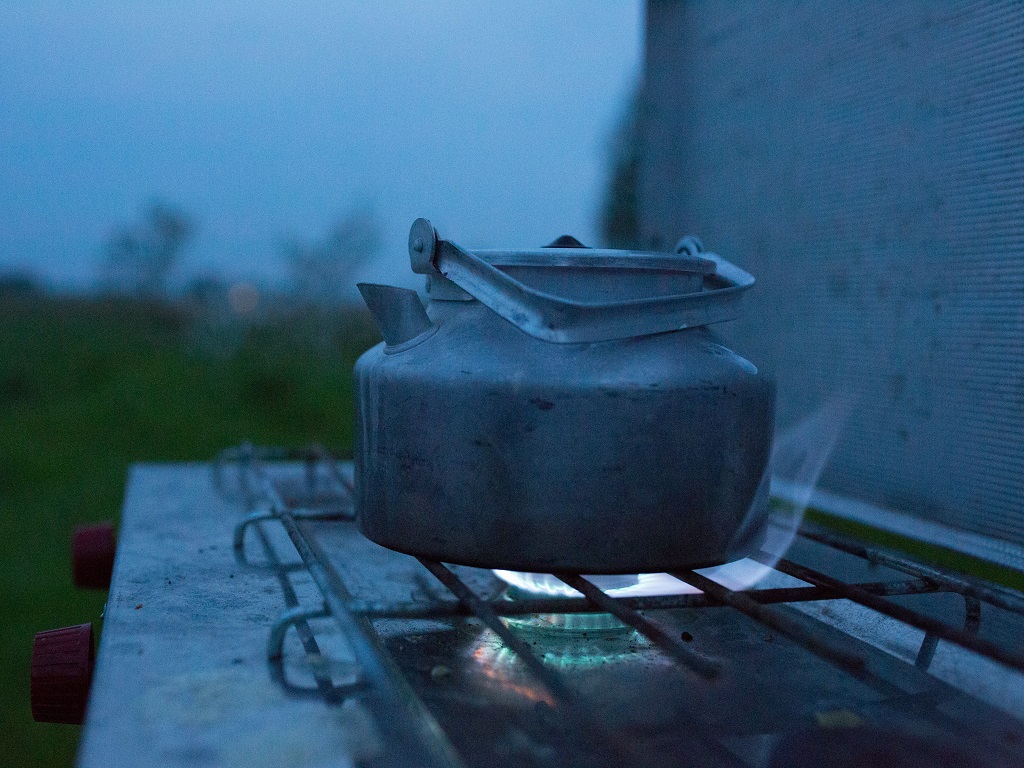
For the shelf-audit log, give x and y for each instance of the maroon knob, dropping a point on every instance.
(92, 555)
(62, 662)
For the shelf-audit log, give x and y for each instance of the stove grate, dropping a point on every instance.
(325, 494)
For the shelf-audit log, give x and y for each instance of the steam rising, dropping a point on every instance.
(798, 457)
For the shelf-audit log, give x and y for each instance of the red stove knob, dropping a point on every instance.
(62, 662)
(92, 555)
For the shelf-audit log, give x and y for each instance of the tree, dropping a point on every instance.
(620, 212)
(322, 271)
(141, 256)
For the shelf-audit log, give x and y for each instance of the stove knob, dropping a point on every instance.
(92, 555)
(62, 662)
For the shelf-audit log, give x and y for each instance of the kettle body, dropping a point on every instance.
(482, 444)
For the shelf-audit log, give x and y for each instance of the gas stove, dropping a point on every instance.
(249, 622)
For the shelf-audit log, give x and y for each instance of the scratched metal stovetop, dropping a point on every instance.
(183, 675)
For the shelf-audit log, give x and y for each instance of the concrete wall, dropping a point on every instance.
(865, 161)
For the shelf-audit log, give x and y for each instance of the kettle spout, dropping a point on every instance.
(398, 311)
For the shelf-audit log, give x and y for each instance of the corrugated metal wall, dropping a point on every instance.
(866, 162)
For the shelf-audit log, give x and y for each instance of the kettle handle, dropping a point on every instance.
(565, 321)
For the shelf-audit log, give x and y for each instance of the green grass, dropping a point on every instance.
(89, 387)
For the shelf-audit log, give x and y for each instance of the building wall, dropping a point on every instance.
(865, 161)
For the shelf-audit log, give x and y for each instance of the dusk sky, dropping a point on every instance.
(267, 120)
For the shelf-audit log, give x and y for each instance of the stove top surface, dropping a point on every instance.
(376, 661)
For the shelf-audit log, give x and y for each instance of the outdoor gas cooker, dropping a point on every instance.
(562, 409)
(249, 622)
(252, 620)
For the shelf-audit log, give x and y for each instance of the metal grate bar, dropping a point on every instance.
(993, 594)
(901, 613)
(483, 611)
(324, 684)
(417, 739)
(531, 605)
(550, 679)
(319, 453)
(850, 662)
(703, 665)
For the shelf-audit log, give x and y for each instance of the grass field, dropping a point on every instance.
(89, 387)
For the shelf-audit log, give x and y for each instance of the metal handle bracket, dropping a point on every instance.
(565, 321)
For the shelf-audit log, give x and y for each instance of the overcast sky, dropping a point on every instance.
(266, 120)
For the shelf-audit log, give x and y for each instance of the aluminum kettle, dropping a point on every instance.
(564, 409)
